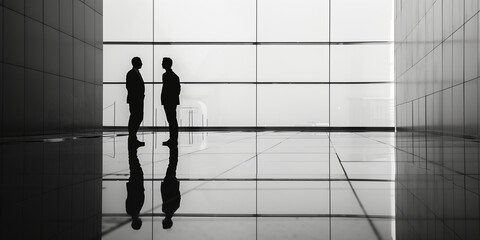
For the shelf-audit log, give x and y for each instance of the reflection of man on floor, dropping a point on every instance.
(170, 188)
(135, 96)
(135, 188)
(170, 99)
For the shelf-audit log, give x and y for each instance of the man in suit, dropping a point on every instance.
(170, 99)
(135, 96)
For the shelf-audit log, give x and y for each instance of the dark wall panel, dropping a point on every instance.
(33, 44)
(14, 102)
(438, 189)
(51, 66)
(471, 108)
(66, 104)
(14, 37)
(34, 107)
(52, 103)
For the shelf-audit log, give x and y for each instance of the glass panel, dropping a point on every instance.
(117, 61)
(366, 105)
(208, 63)
(127, 20)
(367, 20)
(292, 105)
(115, 107)
(290, 63)
(206, 20)
(211, 105)
(362, 63)
(293, 21)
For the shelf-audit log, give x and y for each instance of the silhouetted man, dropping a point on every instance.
(170, 99)
(135, 188)
(135, 96)
(170, 188)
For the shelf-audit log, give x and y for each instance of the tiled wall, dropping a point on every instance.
(436, 73)
(51, 190)
(436, 55)
(51, 67)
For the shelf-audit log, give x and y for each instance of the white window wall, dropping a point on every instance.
(255, 62)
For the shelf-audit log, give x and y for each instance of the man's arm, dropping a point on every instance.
(178, 88)
(129, 81)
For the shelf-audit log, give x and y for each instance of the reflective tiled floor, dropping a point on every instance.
(217, 185)
(254, 185)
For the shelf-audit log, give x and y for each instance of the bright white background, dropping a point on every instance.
(234, 82)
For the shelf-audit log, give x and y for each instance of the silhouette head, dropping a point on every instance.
(136, 223)
(167, 63)
(137, 62)
(167, 223)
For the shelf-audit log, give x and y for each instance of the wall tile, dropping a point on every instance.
(99, 6)
(66, 55)
(458, 16)
(471, 8)
(78, 105)
(66, 16)
(471, 107)
(16, 5)
(1, 33)
(34, 9)
(447, 105)
(471, 48)
(14, 38)
(66, 104)
(79, 20)
(98, 66)
(447, 18)
(98, 31)
(447, 57)
(51, 103)
(89, 64)
(33, 44)
(98, 105)
(13, 100)
(457, 67)
(34, 102)
(457, 110)
(90, 105)
(78, 59)
(52, 50)
(51, 13)
(89, 26)
(34, 97)
(1, 99)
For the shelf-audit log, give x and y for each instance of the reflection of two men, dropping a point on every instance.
(135, 188)
(170, 188)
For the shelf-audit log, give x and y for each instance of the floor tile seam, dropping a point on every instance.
(434, 163)
(375, 230)
(162, 160)
(254, 157)
(253, 215)
(190, 190)
(375, 140)
(153, 163)
(259, 180)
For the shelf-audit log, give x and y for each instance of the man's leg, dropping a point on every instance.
(136, 118)
(171, 113)
(132, 131)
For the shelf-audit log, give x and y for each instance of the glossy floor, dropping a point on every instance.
(250, 185)
(213, 185)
